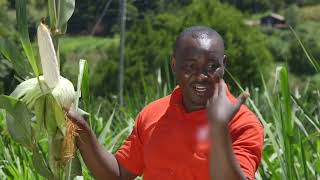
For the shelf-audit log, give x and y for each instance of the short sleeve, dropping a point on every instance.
(247, 144)
(130, 154)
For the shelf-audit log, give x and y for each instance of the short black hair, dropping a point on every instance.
(196, 32)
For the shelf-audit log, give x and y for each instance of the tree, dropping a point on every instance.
(293, 15)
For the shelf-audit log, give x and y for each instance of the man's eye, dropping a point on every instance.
(214, 66)
(189, 66)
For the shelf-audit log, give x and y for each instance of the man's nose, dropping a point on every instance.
(202, 74)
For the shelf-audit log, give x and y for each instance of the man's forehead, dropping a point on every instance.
(205, 42)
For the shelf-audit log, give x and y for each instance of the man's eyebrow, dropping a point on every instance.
(213, 59)
(189, 59)
(214, 62)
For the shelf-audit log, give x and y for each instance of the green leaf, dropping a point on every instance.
(73, 168)
(63, 28)
(303, 157)
(287, 120)
(52, 14)
(18, 120)
(85, 87)
(40, 109)
(79, 84)
(21, 14)
(9, 50)
(106, 129)
(65, 11)
(40, 164)
(54, 116)
(49, 120)
(285, 92)
(59, 116)
(55, 146)
(318, 150)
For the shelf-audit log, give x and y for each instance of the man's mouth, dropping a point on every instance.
(200, 89)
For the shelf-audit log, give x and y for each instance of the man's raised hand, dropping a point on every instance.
(220, 109)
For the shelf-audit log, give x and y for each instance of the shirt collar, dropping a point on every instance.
(176, 101)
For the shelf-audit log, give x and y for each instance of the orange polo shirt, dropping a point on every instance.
(164, 143)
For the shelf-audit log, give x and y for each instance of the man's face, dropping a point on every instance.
(198, 64)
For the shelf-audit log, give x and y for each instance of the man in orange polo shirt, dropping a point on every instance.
(200, 131)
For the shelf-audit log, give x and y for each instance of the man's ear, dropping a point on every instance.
(224, 61)
(173, 64)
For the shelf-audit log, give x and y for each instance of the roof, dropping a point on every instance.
(276, 16)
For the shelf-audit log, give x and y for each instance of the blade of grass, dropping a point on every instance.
(313, 62)
(275, 114)
(313, 121)
(79, 84)
(85, 87)
(106, 129)
(287, 121)
(303, 157)
(284, 84)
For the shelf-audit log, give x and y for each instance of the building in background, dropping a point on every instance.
(274, 20)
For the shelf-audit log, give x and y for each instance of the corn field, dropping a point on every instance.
(290, 115)
(291, 148)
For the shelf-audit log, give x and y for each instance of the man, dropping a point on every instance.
(200, 131)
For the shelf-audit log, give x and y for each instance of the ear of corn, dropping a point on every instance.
(48, 56)
(64, 93)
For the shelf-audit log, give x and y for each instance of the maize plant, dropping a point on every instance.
(36, 108)
(47, 97)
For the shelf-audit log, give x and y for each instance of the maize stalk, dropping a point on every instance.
(49, 97)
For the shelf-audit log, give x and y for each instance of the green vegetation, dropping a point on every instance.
(292, 130)
(311, 13)
(99, 52)
(279, 67)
